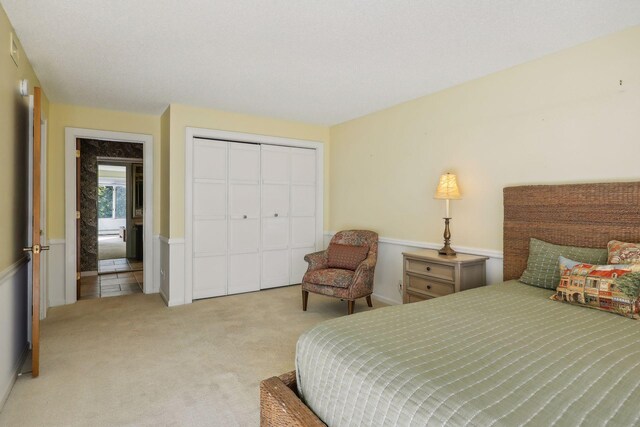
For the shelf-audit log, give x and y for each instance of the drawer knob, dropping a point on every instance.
(428, 286)
(428, 268)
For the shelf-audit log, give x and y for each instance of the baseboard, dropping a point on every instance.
(385, 299)
(164, 297)
(16, 372)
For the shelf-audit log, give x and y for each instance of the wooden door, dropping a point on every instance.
(78, 225)
(244, 218)
(36, 247)
(209, 218)
(276, 176)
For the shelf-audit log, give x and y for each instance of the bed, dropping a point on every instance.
(499, 355)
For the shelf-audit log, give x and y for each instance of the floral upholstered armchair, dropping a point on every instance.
(344, 270)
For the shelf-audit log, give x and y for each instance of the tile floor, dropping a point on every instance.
(116, 277)
(118, 265)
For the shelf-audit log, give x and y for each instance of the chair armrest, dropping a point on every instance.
(369, 263)
(363, 278)
(317, 260)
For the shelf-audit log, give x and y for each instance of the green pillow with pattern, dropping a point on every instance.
(543, 269)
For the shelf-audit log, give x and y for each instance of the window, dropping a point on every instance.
(112, 202)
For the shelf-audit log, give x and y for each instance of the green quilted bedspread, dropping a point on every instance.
(502, 355)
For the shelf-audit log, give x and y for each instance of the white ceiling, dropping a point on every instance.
(318, 61)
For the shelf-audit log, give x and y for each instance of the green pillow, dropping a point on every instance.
(543, 267)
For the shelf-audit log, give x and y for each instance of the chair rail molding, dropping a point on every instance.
(389, 266)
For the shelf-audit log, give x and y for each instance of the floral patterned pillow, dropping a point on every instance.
(623, 253)
(612, 288)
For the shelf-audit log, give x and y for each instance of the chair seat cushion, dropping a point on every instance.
(336, 277)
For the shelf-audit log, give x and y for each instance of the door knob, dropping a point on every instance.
(35, 249)
(275, 214)
(244, 216)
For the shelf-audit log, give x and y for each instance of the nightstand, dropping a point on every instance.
(428, 274)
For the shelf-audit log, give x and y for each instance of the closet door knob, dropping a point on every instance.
(275, 214)
(244, 216)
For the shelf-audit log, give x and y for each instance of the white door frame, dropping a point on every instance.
(70, 136)
(191, 133)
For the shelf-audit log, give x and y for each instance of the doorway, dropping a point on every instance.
(120, 230)
(110, 226)
(72, 203)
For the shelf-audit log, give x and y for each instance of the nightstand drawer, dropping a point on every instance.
(430, 287)
(440, 271)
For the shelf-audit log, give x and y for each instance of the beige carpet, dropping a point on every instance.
(131, 361)
(111, 247)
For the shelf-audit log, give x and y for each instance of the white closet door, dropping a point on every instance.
(209, 218)
(303, 210)
(276, 176)
(244, 218)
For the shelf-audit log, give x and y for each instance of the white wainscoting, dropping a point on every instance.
(172, 271)
(389, 266)
(157, 263)
(56, 291)
(13, 324)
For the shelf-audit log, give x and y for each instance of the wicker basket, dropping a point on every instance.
(280, 405)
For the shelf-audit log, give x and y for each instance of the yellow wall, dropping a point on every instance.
(165, 199)
(183, 116)
(62, 116)
(13, 161)
(560, 119)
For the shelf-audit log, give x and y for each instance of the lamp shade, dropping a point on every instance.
(448, 187)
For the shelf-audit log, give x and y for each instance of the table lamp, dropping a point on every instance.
(447, 190)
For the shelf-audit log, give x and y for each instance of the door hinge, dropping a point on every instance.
(77, 214)
(78, 153)
(77, 276)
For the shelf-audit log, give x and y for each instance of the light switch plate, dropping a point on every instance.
(13, 49)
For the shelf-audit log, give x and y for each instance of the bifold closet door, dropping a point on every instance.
(302, 210)
(276, 171)
(244, 218)
(209, 218)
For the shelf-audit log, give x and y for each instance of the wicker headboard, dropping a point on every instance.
(586, 215)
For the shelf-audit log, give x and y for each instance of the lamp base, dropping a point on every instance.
(446, 249)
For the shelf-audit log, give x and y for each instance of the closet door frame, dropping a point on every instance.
(221, 135)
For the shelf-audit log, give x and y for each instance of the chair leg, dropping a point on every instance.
(350, 305)
(369, 303)
(305, 298)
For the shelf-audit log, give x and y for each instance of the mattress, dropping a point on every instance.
(502, 355)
